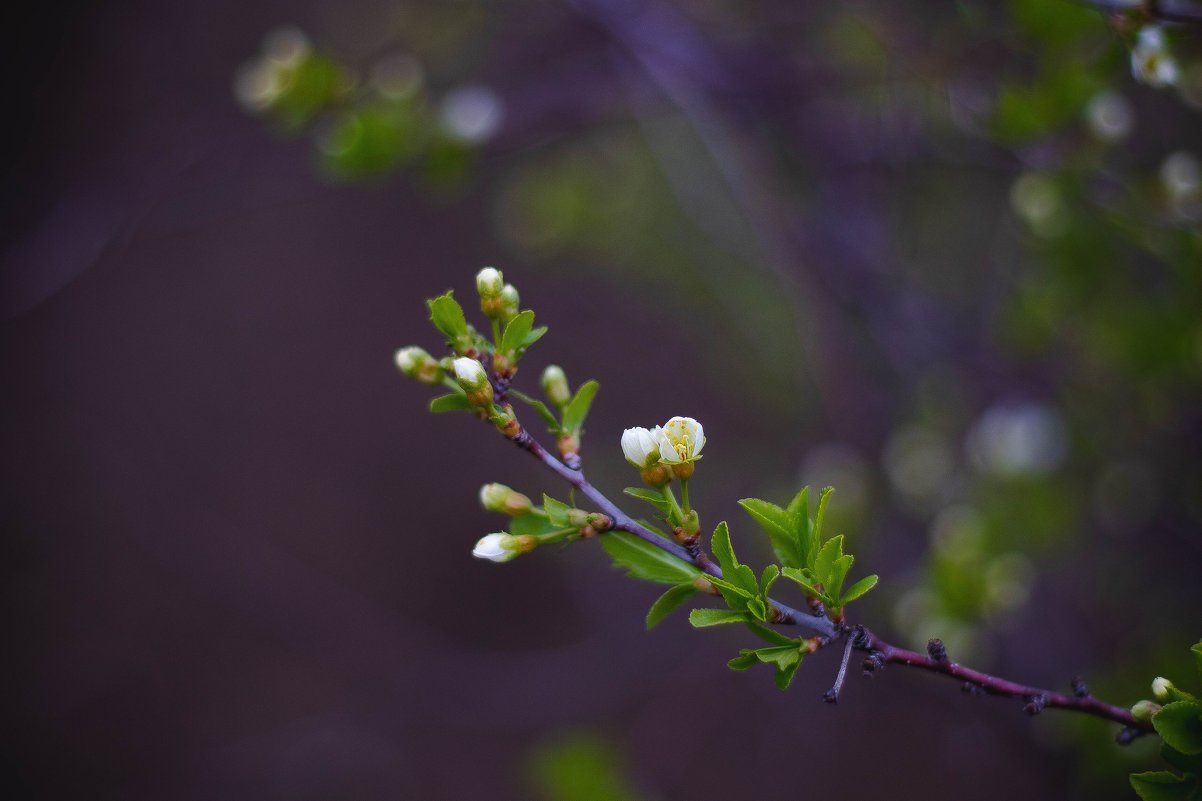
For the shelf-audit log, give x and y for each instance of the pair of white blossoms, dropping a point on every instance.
(678, 441)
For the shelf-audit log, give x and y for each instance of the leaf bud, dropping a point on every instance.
(1144, 710)
(555, 385)
(502, 499)
(419, 365)
(510, 301)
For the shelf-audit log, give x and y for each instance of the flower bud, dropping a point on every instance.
(506, 421)
(1144, 710)
(1161, 687)
(470, 375)
(419, 365)
(489, 283)
(499, 547)
(555, 385)
(502, 499)
(509, 303)
(656, 475)
(641, 446)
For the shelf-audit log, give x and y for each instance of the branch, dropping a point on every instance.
(821, 624)
(859, 638)
(1036, 698)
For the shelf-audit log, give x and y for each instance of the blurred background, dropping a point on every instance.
(944, 257)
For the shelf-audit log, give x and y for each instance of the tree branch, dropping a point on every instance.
(880, 652)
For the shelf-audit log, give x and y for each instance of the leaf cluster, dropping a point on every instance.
(1179, 724)
(818, 566)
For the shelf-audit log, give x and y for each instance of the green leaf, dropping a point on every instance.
(516, 332)
(1160, 785)
(1179, 724)
(767, 579)
(737, 574)
(532, 524)
(832, 566)
(666, 603)
(702, 618)
(1183, 763)
(540, 407)
(577, 408)
(807, 582)
(557, 512)
(450, 403)
(654, 498)
(725, 587)
(447, 315)
(744, 660)
(799, 510)
(534, 336)
(786, 659)
(772, 635)
(858, 589)
(642, 560)
(777, 524)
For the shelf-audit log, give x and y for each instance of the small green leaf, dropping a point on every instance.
(534, 336)
(1183, 763)
(1179, 724)
(532, 524)
(450, 403)
(516, 332)
(577, 408)
(702, 618)
(824, 565)
(668, 602)
(642, 560)
(806, 580)
(858, 589)
(726, 587)
(1160, 785)
(777, 524)
(557, 512)
(737, 574)
(654, 498)
(540, 407)
(767, 579)
(447, 315)
(799, 510)
(769, 634)
(744, 660)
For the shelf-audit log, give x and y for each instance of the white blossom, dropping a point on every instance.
(496, 547)
(681, 441)
(641, 446)
(1151, 61)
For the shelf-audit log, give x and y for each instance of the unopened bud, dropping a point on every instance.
(656, 475)
(499, 547)
(489, 283)
(419, 365)
(506, 422)
(1144, 710)
(1161, 687)
(509, 303)
(502, 499)
(470, 375)
(600, 522)
(555, 385)
(577, 517)
(702, 584)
